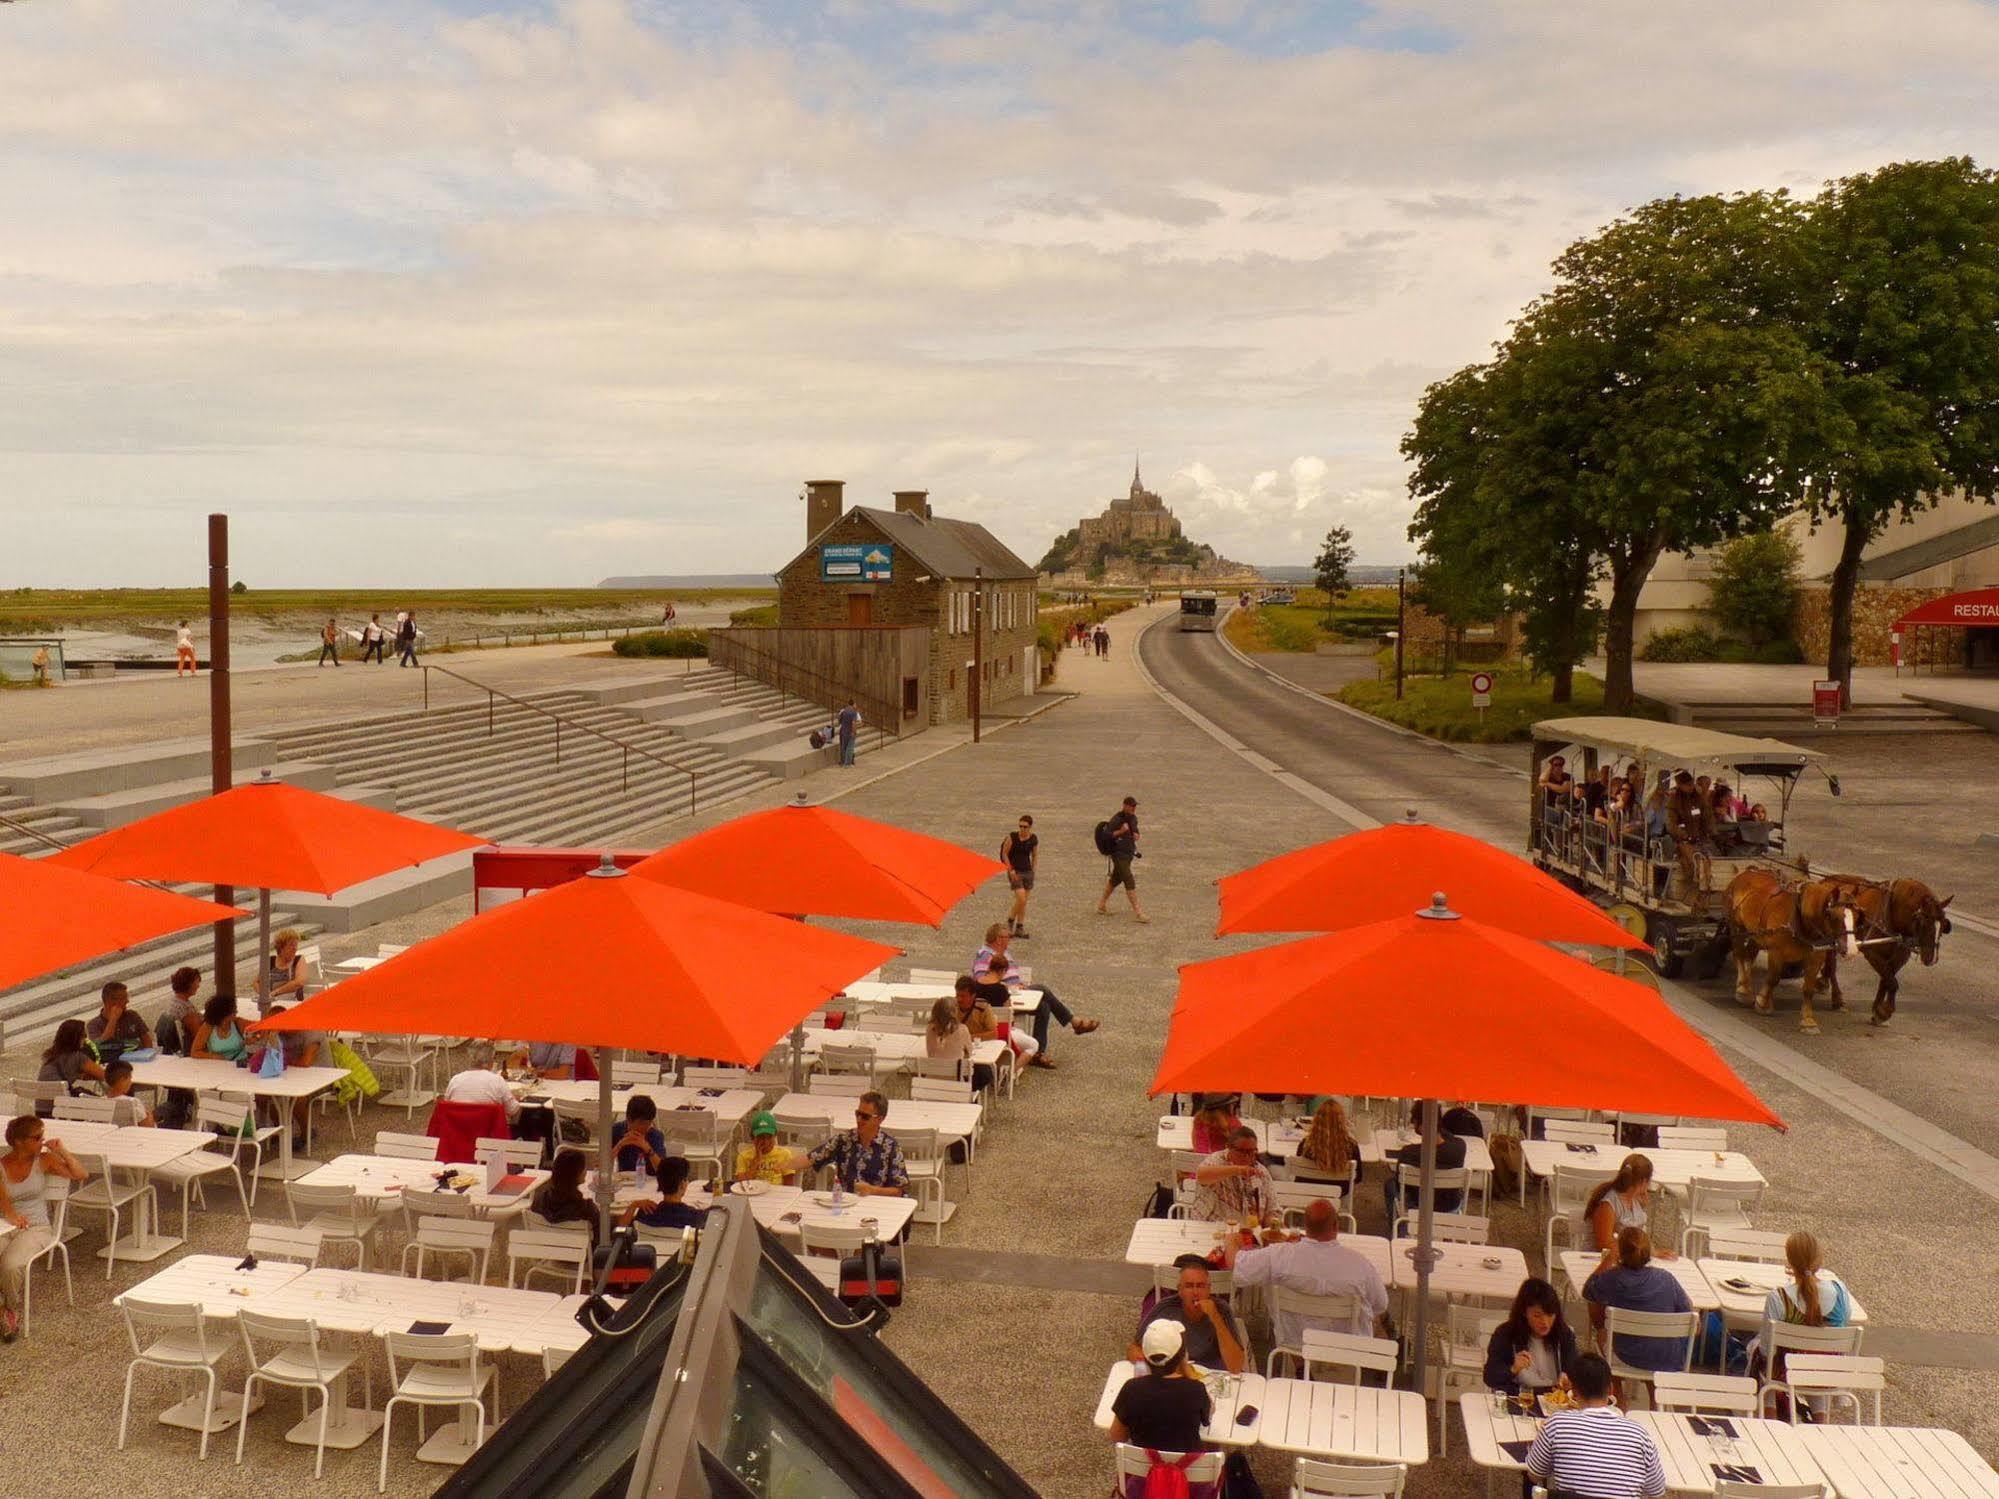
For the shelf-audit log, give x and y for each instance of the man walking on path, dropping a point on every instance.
(406, 639)
(371, 639)
(1104, 642)
(1123, 829)
(849, 725)
(329, 642)
(1018, 851)
(184, 651)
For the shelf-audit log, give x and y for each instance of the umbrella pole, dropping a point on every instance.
(263, 952)
(607, 1178)
(1426, 1254)
(798, 1057)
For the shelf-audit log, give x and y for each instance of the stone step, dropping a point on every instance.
(603, 694)
(796, 757)
(113, 809)
(764, 732)
(52, 778)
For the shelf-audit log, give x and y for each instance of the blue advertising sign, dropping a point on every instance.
(856, 562)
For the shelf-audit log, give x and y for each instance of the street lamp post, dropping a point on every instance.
(1401, 624)
(978, 645)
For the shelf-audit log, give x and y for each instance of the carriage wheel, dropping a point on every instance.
(1635, 969)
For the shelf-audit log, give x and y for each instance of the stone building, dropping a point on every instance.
(907, 570)
(1136, 541)
(1138, 516)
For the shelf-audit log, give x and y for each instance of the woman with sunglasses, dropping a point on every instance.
(31, 1159)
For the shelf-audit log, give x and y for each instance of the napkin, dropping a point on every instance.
(430, 1329)
(1712, 1426)
(1735, 1473)
(1516, 1450)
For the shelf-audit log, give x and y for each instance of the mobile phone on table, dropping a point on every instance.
(1246, 1415)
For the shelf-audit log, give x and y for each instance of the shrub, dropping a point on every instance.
(674, 643)
(1754, 586)
(760, 616)
(1689, 644)
(1778, 653)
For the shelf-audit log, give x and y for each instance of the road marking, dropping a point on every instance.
(1893, 1123)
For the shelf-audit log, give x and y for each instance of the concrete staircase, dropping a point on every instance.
(450, 764)
(1787, 721)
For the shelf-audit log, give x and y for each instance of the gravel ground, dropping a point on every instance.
(1065, 1168)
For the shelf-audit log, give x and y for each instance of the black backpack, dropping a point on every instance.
(1106, 845)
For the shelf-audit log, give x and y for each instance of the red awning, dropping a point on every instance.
(1978, 607)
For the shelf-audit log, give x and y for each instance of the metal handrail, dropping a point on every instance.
(56, 843)
(627, 749)
(880, 713)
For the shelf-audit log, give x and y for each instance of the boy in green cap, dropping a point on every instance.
(763, 1159)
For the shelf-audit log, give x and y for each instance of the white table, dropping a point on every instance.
(208, 1076)
(356, 964)
(1772, 1448)
(1486, 1427)
(129, 1148)
(1743, 1310)
(774, 1204)
(1579, 1264)
(1897, 1462)
(1463, 1271)
(1670, 1168)
(732, 1107)
(383, 1179)
(1364, 1423)
(1385, 1142)
(557, 1328)
(873, 992)
(1161, 1241)
(1273, 1136)
(215, 1284)
(1232, 1394)
(952, 1121)
(898, 1045)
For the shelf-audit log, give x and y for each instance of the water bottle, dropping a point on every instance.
(839, 1194)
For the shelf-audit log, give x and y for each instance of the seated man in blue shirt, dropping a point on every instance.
(641, 1146)
(554, 1059)
(866, 1159)
(669, 1209)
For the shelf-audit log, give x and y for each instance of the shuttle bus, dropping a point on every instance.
(1197, 609)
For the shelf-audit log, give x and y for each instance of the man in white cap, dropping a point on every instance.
(1165, 1407)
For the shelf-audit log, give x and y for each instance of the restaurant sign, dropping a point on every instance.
(856, 562)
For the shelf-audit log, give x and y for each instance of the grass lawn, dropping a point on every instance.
(45, 608)
(1302, 625)
(1441, 706)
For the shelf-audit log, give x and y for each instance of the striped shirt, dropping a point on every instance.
(1595, 1453)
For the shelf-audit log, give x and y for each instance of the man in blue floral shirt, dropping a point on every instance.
(866, 1158)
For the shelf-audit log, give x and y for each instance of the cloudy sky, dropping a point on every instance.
(449, 292)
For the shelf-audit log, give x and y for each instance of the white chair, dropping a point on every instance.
(839, 1086)
(1409, 1181)
(932, 976)
(408, 1056)
(584, 1114)
(419, 1203)
(181, 1343)
(553, 1358)
(1705, 1394)
(1292, 1198)
(87, 1108)
(187, 1172)
(941, 1089)
(236, 1130)
(390, 949)
(1568, 1193)
(714, 1077)
(1448, 1228)
(1831, 1377)
(1730, 1488)
(292, 1356)
(1690, 1137)
(562, 1252)
(446, 1239)
(696, 1134)
(1344, 1350)
(801, 1132)
(1578, 1132)
(821, 1247)
(520, 1155)
(58, 1206)
(923, 1159)
(1136, 1462)
(1716, 1204)
(1467, 1331)
(635, 1075)
(1678, 1325)
(405, 1147)
(274, 1241)
(1315, 1313)
(864, 1060)
(444, 1370)
(1786, 1340)
(1312, 1477)
(107, 1194)
(1166, 1281)
(340, 1214)
(884, 1023)
(1761, 1245)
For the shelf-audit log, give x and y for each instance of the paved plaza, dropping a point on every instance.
(1016, 1317)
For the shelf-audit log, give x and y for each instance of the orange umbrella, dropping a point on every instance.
(1389, 871)
(57, 917)
(605, 961)
(816, 861)
(268, 835)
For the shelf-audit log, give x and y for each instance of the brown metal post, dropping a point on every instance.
(220, 777)
(1401, 625)
(978, 652)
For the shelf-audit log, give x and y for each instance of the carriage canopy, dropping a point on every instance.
(1675, 744)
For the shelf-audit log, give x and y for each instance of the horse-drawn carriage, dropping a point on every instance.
(1661, 867)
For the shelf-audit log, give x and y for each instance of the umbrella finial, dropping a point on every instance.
(1439, 909)
(1409, 819)
(265, 778)
(607, 869)
(800, 798)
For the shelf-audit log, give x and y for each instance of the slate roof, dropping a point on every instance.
(946, 548)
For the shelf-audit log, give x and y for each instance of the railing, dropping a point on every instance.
(39, 836)
(627, 750)
(793, 680)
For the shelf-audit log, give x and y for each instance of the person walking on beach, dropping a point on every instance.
(1122, 832)
(1018, 851)
(406, 639)
(329, 642)
(371, 639)
(849, 724)
(184, 651)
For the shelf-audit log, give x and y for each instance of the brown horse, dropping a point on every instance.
(1788, 923)
(1897, 918)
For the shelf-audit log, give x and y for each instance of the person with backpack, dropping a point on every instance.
(329, 642)
(1162, 1409)
(406, 640)
(1018, 851)
(1117, 840)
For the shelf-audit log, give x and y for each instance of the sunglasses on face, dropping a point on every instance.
(863, 1114)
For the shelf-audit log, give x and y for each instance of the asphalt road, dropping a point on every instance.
(1937, 1057)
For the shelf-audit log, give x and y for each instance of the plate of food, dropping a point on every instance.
(751, 1188)
(1556, 1400)
(1492, 1262)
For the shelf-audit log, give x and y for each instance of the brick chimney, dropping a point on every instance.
(824, 503)
(913, 502)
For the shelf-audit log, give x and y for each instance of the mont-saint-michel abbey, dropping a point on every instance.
(1136, 539)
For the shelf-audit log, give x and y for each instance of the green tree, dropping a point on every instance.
(1903, 268)
(1461, 591)
(1665, 360)
(239, 586)
(1332, 565)
(1754, 586)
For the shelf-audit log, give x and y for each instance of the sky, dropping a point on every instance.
(438, 292)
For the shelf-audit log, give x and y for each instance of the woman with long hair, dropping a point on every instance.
(947, 1038)
(1534, 1348)
(1622, 1202)
(1627, 1279)
(1214, 1121)
(220, 1036)
(1814, 1298)
(1328, 1151)
(561, 1199)
(30, 1159)
(69, 1059)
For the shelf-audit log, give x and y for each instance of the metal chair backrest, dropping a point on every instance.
(543, 1248)
(274, 1241)
(852, 1086)
(1691, 1137)
(1166, 1281)
(1448, 1228)
(164, 1317)
(1329, 1313)
(635, 1074)
(424, 1203)
(1676, 1325)
(1726, 1394)
(405, 1147)
(1316, 1476)
(520, 1155)
(225, 1116)
(713, 1077)
(1757, 1244)
(1468, 1329)
(300, 1198)
(1705, 1195)
(460, 1348)
(584, 1113)
(1569, 1188)
(1795, 1337)
(473, 1236)
(837, 1058)
(919, 1145)
(932, 976)
(1578, 1132)
(298, 1336)
(830, 1238)
(883, 1022)
(696, 1127)
(1292, 1198)
(1847, 1374)
(1411, 1178)
(88, 1108)
(1345, 1350)
(1136, 1462)
(941, 1089)
(1730, 1488)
